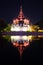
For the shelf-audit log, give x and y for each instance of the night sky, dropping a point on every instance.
(33, 9)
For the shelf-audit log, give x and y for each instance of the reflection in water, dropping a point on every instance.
(19, 38)
(23, 41)
(20, 42)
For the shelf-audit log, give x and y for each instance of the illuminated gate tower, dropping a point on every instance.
(21, 24)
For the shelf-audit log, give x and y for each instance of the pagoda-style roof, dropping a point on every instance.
(21, 18)
(21, 15)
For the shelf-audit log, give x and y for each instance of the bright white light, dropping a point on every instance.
(18, 38)
(18, 28)
(24, 38)
(24, 29)
(15, 28)
(15, 38)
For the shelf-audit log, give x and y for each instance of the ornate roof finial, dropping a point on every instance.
(21, 16)
(21, 8)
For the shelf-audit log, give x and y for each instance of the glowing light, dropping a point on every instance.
(16, 44)
(14, 22)
(24, 38)
(26, 21)
(29, 28)
(40, 30)
(15, 28)
(26, 44)
(18, 28)
(17, 21)
(27, 38)
(39, 36)
(15, 38)
(24, 29)
(30, 38)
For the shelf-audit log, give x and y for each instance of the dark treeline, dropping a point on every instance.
(40, 23)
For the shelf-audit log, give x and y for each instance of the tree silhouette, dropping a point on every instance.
(40, 23)
(3, 24)
(4, 41)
